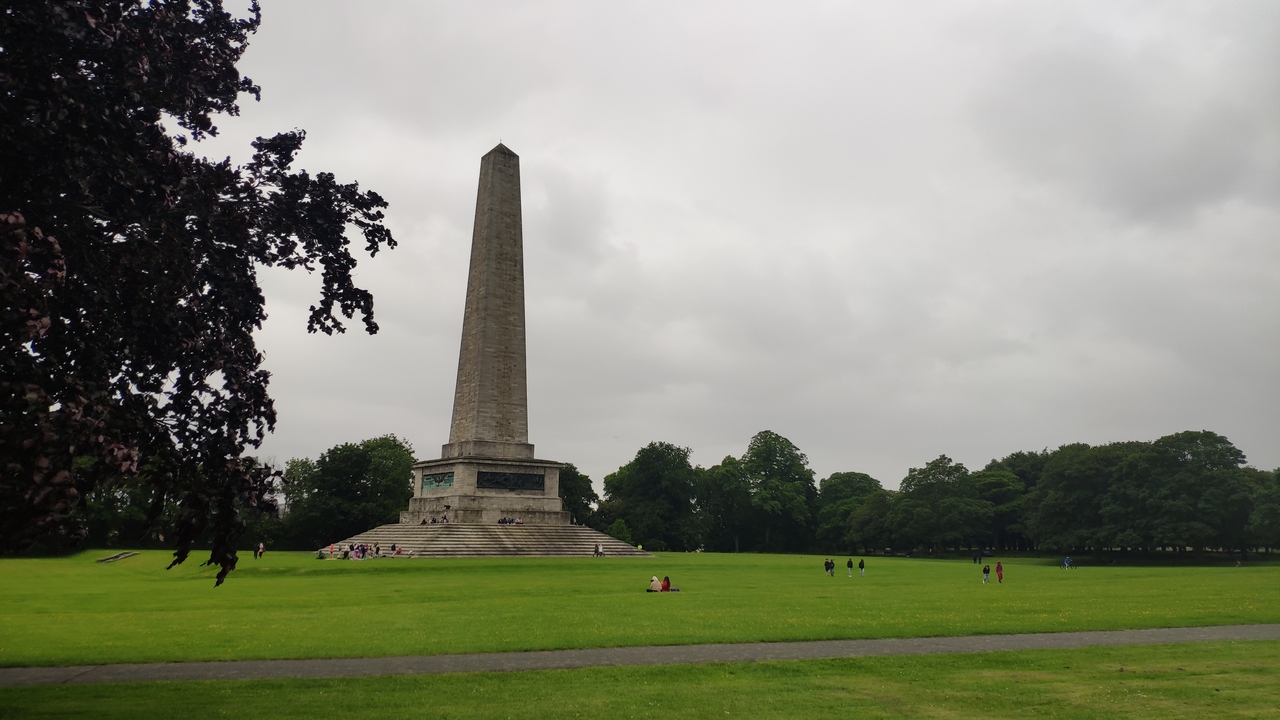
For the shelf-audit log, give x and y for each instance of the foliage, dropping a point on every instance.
(128, 286)
(1183, 490)
(1028, 466)
(1264, 518)
(839, 497)
(1004, 491)
(724, 503)
(869, 525)
(351, 488)
(939, 505)
(782, 490)
(1064, 510)
(578, 495)
(654, 495)
(1191, 490)
(618, 529)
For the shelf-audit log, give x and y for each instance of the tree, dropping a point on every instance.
(839, 495)
(1076, 503)
(938, 506)
(782, 490)
(724, 504)
(1191, 490)
(577, 494)
(653, 494)
(1264, 518)
(351, 488)
(618, 530)
(1004, 491)
(128, 287)
(1028, 466)
(869, 526)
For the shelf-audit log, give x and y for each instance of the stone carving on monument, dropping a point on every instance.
(487, 470)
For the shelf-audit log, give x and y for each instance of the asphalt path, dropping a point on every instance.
(604, 657)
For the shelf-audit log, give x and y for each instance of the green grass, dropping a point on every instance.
(1165, 682)
(71, 610)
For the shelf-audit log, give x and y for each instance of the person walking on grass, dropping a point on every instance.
(850, 566)
(999, 572)
(986, 574)
(862, 568)
(262, 549)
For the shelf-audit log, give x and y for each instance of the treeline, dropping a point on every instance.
(348, 489)
(1190, 490)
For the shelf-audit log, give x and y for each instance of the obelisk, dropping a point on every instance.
(490, 402)
(487, 470)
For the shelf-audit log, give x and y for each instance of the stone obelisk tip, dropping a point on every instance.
(500, 149)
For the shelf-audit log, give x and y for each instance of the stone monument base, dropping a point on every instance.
(483, 490)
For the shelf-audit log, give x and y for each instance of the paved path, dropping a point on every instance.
(655, 655)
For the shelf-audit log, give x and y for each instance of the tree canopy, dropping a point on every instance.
(653, 495)
(350, 488)
(128, 266)
(1186, 490)
(782, 490)
(839, 496)
(577, 494)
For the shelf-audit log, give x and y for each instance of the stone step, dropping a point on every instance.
(471, 540)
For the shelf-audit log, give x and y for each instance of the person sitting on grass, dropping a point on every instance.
(666, 585)
(654, 585)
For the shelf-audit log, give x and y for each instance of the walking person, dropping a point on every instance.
(850, 566)
(986, 574)
(262, 549)
(862, 568)
(999, 572)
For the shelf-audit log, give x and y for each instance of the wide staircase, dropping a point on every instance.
(467, 540)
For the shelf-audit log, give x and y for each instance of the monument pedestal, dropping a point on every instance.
(485, 489)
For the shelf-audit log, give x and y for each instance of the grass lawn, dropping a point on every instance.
(1163, 681)
(289, 605)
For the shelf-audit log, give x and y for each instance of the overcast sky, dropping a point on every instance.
(886, 231)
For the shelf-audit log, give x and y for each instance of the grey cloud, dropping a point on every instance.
(1154, 124)
(884, 232)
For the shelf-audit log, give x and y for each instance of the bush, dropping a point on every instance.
(620, 531)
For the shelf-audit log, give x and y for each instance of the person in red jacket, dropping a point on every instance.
(666, 585)
(999, 573)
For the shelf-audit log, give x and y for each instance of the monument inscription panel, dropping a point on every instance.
(510, 481)
(437, 480)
